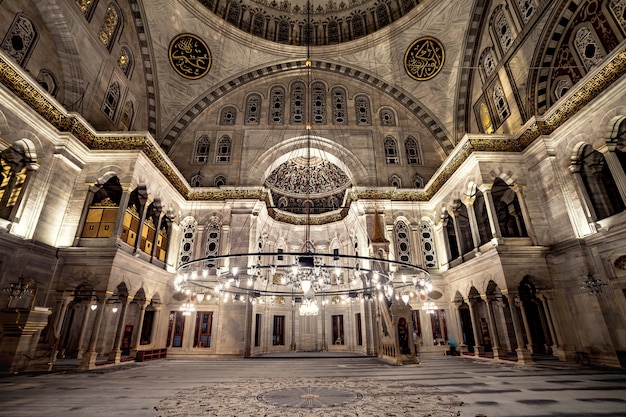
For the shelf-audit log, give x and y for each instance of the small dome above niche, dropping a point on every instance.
(300, 180)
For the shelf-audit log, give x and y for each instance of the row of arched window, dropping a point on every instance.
(320, 110)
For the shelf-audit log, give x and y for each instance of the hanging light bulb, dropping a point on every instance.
(405, 298)
(306, 285)
(235, 270)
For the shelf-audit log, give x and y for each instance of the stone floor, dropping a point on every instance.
(318, 385)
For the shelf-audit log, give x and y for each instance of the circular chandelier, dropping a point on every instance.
(270, 278)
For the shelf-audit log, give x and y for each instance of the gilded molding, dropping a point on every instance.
(27, 93)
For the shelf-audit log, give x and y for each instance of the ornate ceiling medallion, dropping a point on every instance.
(190, 56)
(424, 58)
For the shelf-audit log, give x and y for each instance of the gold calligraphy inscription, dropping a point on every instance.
(424, 58)
(190, 56)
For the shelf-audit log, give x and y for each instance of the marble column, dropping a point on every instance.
(83, 330)
(522, 309)
(493, 330)
(547, 335)
(89, 358)
(471, 215)
(116, 353)
(615, 166)
(523, 354)
(491, 211)
(478, 348)
(143, 304)
(519, 192)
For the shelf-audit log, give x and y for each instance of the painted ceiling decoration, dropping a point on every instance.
(424, 58)
(190, 56)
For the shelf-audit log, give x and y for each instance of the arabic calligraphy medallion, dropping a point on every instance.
(424, 58)
(190, 56)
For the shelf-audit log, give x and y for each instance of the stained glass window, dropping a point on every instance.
(318, 105)
(527, 9)
(201, 154)
(253, 109)
(499, 99)
(111, 100)
(428, 245)
(298, 105)
(20, 39)
(402, 242)
(127, 116)
(412, 151)
(110, 25)
(363, 113)
(391, 151)
(387, 117)
(228, 116)
(223, 149)
(188, 225)
(125, 61)
(588, 47)
(339, 106)
(503, 31)
(277, 105)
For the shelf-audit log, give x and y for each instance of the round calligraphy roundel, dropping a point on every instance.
(190, 56)
(424, 58)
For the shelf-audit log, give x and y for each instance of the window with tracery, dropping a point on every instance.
(201, 154)
(196, 181)
(418, 181)
(358, 27)
(382, 15)
(488, 62)
(298, 105)
(20, 39)
(128, 113)
(258, 24)
(339, 106)
(283, 31)
(562, 86)
(277, 105)
(253, 109)
(213, 239)
(111, 100)
(503, 31)
(223, 149)
(588, 47)
(402, 242)
(110, 25)
(395, 181)
(48, 81)
(527, 9)
(333, 32)
(17, 163)
(412, 151)
(499, 99)
(363, 112)
(232, 16)
(87, 7)
(391, 151)
(387, 117)
(618, 8)
(219, 181)
(125, 61)
(188, 225)
(228, 115)
(428, 245)
(318, 104)
(103, 210)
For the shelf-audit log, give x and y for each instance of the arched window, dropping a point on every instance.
(599, 183)
(232, 15)
(201, 154)
(283, 31)
(339, 106)
(418, 181)
(87, 7)
(482, 218)
(110, 25)
(228, 115)
(618, 8)
(333, 32)
(298, 103)
(258, 25)
(391, 151)
(20, 39)
(363, 113)
(111, 100)
(17, 163)
(358, 27)
(508, 210)
(223, 149)
(461, 216)
(132, 216)
(125, 61)
(527, 9)
(213, 239)
(488, 62)
(450, 232)
(103, 209)
(499, 99)
(387, 117)
(188, 226)
(48, 81)
(412, 151)
(253, 109)
(148, 231)
(382, 15)
(428, 245)
(502, 29)
(403, 243)
(196, 181)
(277, 105)
(128, 114)
(588, 46)
(219, 181)
(562, 86)
(318, 103)
(395, 181)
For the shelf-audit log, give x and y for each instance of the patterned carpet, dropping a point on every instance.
(310, 397)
